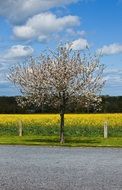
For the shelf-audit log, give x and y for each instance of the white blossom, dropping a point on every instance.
(61, 77)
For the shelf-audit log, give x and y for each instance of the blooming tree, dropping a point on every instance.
(59, 77)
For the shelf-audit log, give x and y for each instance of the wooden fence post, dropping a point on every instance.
(20, 128)
(105, 129)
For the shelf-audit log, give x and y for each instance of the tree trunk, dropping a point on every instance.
(62, 128)
(62, 111)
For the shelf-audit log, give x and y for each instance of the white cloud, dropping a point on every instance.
(17, 51)
(43, 38)
(19, 10)
(80, 44)
(114, 80)
(113, 71)
(9, 57)
(110, 49)
(72, 32)
(113, 77)
(41, 26)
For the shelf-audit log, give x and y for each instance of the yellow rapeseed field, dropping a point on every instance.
(49, 123)
(96, 120)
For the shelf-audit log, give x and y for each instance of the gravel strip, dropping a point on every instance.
(42, 168)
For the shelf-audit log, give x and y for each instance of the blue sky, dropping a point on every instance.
(29, 26)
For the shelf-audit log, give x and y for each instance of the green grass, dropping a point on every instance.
(76, 131)
(54, 141)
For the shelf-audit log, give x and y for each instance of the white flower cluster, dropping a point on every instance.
(63, 75)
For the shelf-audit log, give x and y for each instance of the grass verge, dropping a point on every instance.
(54, 141)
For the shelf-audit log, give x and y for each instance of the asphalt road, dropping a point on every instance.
(39, 168)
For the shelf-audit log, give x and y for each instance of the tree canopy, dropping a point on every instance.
(60, 78)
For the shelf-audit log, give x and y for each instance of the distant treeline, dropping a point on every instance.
(110, 104)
